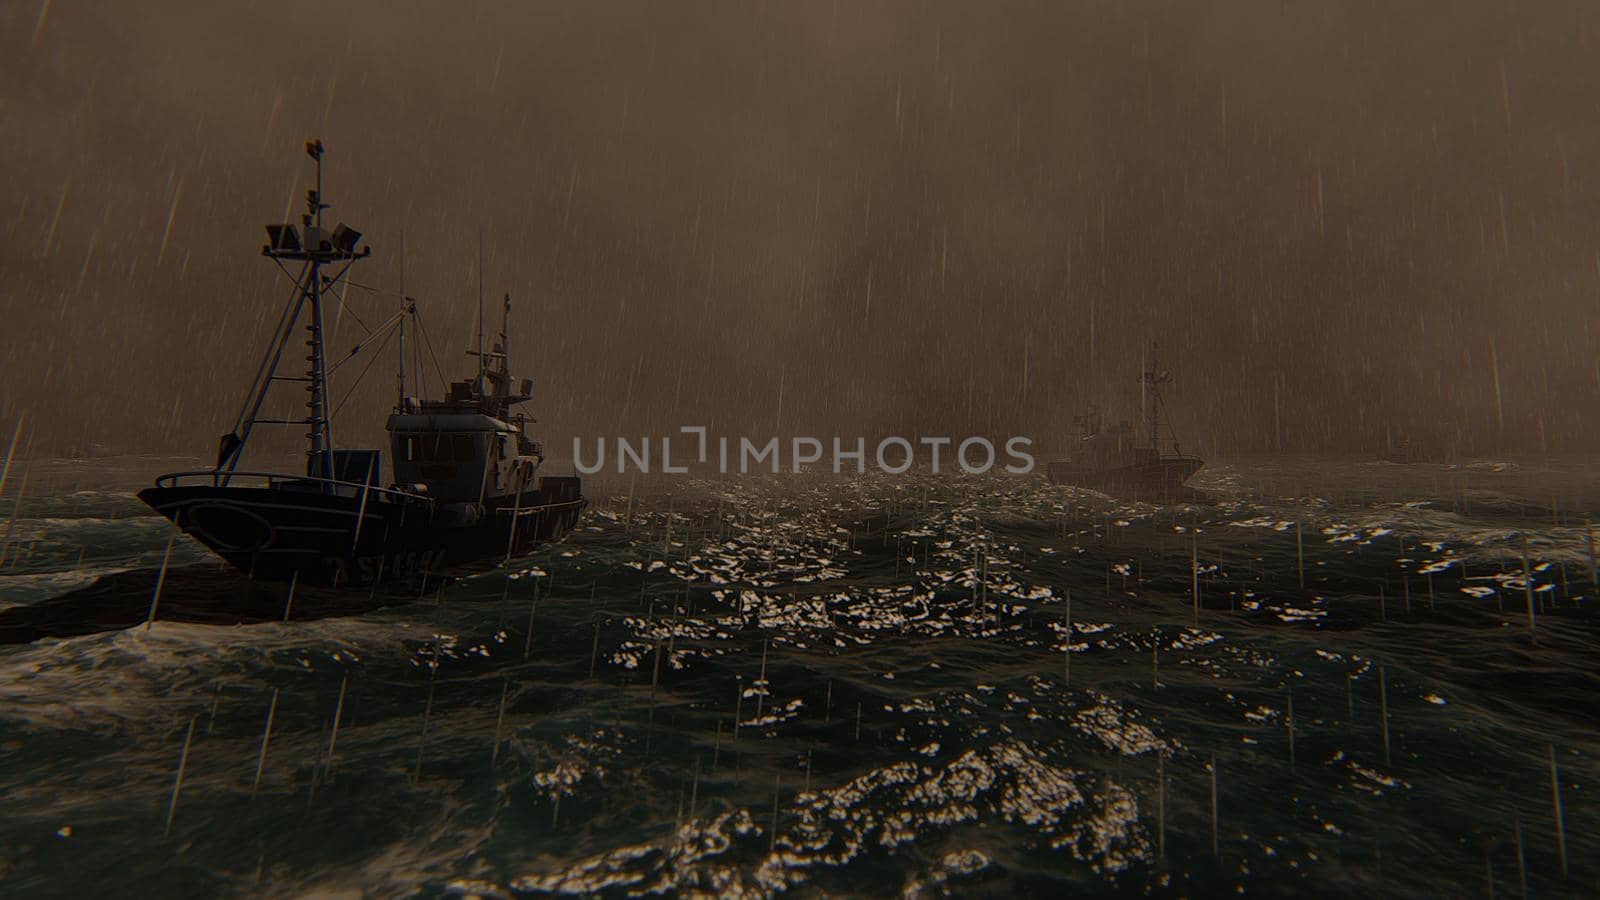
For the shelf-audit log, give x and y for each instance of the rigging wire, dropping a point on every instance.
(375, 291)
(344, 293)
(342, 310)
(338, 317)
(279, 334)
(444, 383)
(357, 382)
(386, 327)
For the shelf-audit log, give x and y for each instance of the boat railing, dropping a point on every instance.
(279, 479)
(523, 511)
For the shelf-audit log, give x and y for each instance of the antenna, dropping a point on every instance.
(480, 309)
(1154, 378)
(416, 348)
(401, 405)
(314, 150)
(1144, 369)
(505, 336)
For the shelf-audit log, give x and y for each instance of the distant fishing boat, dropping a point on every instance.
(1111, 460)
(1406, 451)
(466, 484)
(1401, 451)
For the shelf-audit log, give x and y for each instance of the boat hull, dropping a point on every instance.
(1154, 480)
(350, 540)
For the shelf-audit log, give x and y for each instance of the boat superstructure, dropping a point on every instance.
(466, 485)
(1111, 459)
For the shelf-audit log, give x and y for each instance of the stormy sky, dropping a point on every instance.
(1342, 222)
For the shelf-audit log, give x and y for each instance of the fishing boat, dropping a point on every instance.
(466, 482)
(1110, 459)
(1439, 447)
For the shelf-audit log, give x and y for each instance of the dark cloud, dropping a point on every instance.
(1340, 220)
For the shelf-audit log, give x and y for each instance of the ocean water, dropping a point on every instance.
(842, 686)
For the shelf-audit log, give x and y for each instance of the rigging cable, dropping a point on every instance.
(357, 382)
(278, 335)
(386, 327)
(444, 383)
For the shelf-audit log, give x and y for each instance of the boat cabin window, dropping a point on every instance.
(439, 448)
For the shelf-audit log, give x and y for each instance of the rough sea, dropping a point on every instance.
(1315, 677)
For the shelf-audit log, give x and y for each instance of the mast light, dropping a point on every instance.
(345, 238)
(283, 238)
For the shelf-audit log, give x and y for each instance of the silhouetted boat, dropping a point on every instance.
(1110, 459)
(465, 469)
(1406, 451)
(1401, 451)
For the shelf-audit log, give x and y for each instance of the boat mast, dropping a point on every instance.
(319, 453)
(505, 338)
(315, 248)
(1144, 390)
(1150, 381)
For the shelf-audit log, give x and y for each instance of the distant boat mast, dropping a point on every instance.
(1150, 381)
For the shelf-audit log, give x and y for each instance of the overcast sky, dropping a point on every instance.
(1341, 221)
